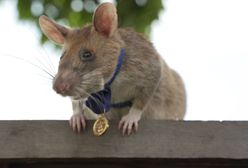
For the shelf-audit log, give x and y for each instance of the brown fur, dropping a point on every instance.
(156, 91)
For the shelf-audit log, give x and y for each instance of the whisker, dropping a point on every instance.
(90, 84)
(31, 63)
(100, 98)
(43, 65)
(88, 73)
(99, 70)
(48, 78)
(91, 75)
(86, 76)
(48, 60)
(97, 101)
(91, 81)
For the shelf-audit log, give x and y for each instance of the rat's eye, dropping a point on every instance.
(86, 55)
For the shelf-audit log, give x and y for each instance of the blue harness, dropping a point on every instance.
(100, 101)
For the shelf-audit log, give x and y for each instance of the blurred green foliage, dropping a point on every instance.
(138, 14)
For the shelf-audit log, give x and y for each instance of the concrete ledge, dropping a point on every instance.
(190, 141)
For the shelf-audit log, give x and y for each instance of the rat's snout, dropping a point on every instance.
(62, 87)
(65, 85)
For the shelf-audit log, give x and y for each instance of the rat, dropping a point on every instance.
(118, 64)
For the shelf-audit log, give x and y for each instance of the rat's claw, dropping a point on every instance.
(129, 128)
(136, 126)
(128, 124)
(121, 123)
(77, 122)
(124, 128)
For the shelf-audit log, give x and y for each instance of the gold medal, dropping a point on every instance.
(100, 125)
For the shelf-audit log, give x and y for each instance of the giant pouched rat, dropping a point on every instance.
(91, 56)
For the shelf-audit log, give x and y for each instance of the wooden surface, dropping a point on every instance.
(190, 142)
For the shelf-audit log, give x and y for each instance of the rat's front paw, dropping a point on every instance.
(77, 122)
(129, 123)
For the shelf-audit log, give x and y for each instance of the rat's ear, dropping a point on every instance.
(52, 30)
(105, 19)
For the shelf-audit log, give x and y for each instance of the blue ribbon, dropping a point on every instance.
(100, 101)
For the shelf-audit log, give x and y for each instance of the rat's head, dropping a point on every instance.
(89, 54)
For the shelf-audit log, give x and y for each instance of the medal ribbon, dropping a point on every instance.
(100, 102)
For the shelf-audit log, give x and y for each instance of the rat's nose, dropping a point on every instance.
(64, 83)
(62, 87)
